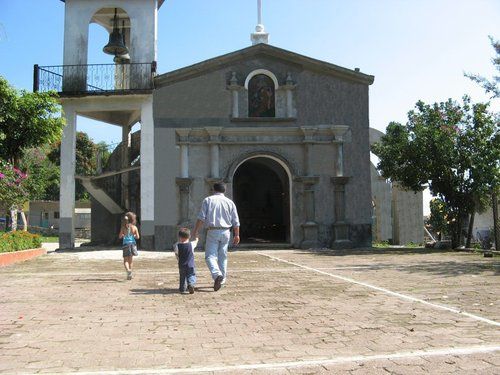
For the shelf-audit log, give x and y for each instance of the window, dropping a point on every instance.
(56, 215)
(46, 216)
(261, 98)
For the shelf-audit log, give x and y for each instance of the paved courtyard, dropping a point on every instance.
(282, 312)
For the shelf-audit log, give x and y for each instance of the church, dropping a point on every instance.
(287, 133)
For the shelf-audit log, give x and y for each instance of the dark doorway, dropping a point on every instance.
(261, 194)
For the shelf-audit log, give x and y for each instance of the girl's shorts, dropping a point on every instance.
(129, 250)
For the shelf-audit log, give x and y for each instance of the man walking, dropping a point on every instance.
(219, 215)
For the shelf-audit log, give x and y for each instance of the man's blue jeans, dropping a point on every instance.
(216, 245)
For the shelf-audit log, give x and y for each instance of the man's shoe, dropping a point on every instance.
(191, 289)
(218, 283)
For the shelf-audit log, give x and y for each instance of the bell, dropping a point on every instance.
(115, 46)
(125, 58)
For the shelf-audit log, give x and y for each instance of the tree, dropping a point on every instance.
(27, 120)
(86, 160)
(43, 182)
(490, 86)
(450, 148)
(12, 186)
(438, 218)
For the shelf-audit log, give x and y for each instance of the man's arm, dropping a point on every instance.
(197, 227)
(236, 225)
(236, 237)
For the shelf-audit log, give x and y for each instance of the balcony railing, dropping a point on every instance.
(94, 78)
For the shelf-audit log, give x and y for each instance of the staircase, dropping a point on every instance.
(113, 168)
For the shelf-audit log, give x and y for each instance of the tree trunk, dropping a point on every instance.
(456, 233)
(471, 228)
(496, 224)
(13, 218)
(25, 222)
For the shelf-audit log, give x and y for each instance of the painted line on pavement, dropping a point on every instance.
(301, 363)
(387, 291)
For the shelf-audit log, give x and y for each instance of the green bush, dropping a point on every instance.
(19, 240)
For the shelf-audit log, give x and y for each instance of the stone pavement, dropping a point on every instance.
(282, 312)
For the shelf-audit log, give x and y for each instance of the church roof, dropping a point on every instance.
(259, 50)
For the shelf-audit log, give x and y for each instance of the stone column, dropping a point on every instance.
(340, 226)
(125, 163)
(214, 140)
(309, 226)
(147, 175)
(340, 159)
(340, 133)
(234, 88)
(67, 188)
(308, 142)
(184, 185)
(184, 145)
(289, 86)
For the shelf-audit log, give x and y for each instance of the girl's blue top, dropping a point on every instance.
(129, 238)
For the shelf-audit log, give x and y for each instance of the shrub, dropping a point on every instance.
(19, 240)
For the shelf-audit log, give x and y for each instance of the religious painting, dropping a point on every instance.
(261, 96)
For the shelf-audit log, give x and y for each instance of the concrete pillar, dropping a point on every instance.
(340, 159)
(214, 133)
(234, 87)
(288, 87)
(214, 160)
(67, 188)
(184, 185)
(308, 141)
(147, 174)
(184, 161)
(309, 226)
(340, 226)
(235, 111)
(184, 148)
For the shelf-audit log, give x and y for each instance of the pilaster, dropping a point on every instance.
(234, 88)
(184, 185)
(309, 225)
(214, 139)
(289, 86)
(340, 225)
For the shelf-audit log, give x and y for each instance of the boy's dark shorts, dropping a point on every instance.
(130, 250)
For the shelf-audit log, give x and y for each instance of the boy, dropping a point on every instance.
(184, 251)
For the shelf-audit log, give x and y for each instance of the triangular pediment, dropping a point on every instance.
(257, 51)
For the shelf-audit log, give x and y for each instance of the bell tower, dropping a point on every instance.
(117, 94)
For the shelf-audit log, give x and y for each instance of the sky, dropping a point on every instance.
(416, 49)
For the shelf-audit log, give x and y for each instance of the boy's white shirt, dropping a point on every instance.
(193, 246)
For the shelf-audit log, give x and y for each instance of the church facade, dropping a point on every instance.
(287, 133)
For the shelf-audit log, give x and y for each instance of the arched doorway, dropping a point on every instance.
(261, 191)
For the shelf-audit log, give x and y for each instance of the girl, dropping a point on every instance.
(129, 233)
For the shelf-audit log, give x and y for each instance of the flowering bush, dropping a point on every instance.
(19, 240)
(12, 186)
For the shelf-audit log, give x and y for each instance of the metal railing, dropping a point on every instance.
(94, 78)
